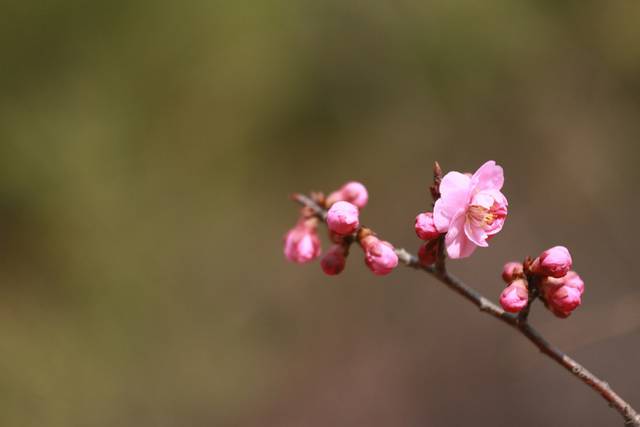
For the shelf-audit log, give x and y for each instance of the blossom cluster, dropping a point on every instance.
(469, 210)
(302, 243)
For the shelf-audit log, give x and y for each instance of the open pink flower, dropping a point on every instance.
(470, 209)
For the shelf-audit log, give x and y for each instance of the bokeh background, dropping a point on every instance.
(147, 150)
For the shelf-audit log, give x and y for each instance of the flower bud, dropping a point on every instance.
(572, 280)
(425, 227)
(515, 296)
(342, 218)
(380, 256)
(301, 243)
(564, 299)
(352, 192)
(548, 285)
(511, 271)
(554, 262)
(334, 260)
(428, 253)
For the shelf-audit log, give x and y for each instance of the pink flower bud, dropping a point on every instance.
(334, 260)
(554, 262)
(572, 280)
(342, 218)
(515, 296)
(564, 299)
(511, 271)
(352, 192)
(380, 256)
(425, 227)
(548, 285)
(301, 243)
(428, 253)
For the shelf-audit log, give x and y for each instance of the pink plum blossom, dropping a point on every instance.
(380, 256)
(470, 209)
(353, 192)
(301, 243)
(511, 271)
(333, 262)
(342, 218)
(515, 296)
(425, 227)
(554, 262)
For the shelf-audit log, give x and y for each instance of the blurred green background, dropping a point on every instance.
(147, 150)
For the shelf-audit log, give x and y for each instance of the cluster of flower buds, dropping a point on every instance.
(343, 221)
(560, 288)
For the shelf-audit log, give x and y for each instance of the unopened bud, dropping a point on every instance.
(512, 271)
(301, 243)
(425, 227)
(334, 260)
(564, 299)
(515, 296)
(353, 192)
(342, 218)
(554, 262)
(380, 256)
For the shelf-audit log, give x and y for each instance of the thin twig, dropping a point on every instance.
(520, 323)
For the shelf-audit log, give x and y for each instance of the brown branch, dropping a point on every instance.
(520, 323)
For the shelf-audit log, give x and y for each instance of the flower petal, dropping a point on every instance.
(455, 184)
(476, 234)
(443, 213)
(484, 199)
(488, 177)
(455, 189)
(456, 241)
